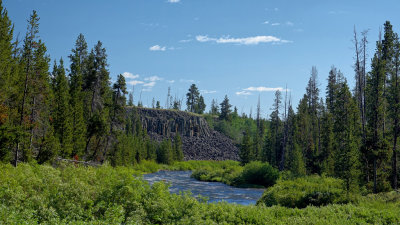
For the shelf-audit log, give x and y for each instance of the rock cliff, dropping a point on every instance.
(199, 142)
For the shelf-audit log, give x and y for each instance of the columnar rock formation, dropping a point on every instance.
(198, 140)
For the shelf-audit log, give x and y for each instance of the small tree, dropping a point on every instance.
(225, 109)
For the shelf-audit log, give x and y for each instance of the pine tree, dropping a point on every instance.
(201, 106)
(9, 71)
(214, 107)
(246, 148)
(35, 129)
(295, 160)
(346, 131)
(98, 99)
(78, 68)
(164, 152)
(273, 147)
(304, 137)
(192, 98)
(376, 144)
(225, 109)
(394, 104)
(62, 111)
(178, 153)
(130, 99)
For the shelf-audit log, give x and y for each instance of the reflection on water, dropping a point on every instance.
(215, 191)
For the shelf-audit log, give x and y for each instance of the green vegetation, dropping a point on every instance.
(302, 192)
(31, 194)
(254, 174)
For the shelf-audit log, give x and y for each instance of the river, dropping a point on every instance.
(215, 191)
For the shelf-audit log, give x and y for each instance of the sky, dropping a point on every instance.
(240, 48)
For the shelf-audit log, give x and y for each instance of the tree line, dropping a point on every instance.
(78, 114)
(351, 134)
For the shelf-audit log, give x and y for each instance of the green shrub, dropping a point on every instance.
(301, 192)
(258, 173)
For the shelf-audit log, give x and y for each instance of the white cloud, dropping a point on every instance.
(150, 84)
(266, 22)
(153, 78)
(207, 92)
(157, 48)
(128, 75)
(275, 24)
(135, 82)
(173, 1)
(262, 89)
(244, 41)
(243, 93)
(289, 23)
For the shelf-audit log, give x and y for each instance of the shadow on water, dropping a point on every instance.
(181, 181)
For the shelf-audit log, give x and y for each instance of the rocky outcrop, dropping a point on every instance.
(199, 142)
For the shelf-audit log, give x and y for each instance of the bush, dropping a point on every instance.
(301, 192)
(258, 173)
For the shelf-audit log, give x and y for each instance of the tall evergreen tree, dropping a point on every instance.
(394, 105)
(376, 144)
(98, 99)
(346, 132)
(273, 146)
(9, 71)
(62, 111)
(35, 130)
(246, 148)
(78, 67)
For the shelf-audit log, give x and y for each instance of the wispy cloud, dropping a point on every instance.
(135, 82)
(171, 81)
(153, 78)
(149, 84)
(266, 22)
(243, 41)
(275, 24)
(289, 23)
(243, 93)
(207, 91)
(265, 89)
(128, 75)
(173, 1)
(157, 48)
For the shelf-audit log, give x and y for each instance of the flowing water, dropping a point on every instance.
(181, 181)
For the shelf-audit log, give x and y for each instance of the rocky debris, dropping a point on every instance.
(199, 142)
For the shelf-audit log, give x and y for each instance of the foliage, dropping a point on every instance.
(301, 192)
(32, 194)
(254, 174)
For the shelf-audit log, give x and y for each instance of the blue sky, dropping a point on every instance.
(234, 47)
